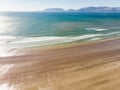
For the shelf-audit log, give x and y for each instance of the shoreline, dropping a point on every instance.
(64, 45)
(83, 66)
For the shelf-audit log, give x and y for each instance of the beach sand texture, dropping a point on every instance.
(92, 66)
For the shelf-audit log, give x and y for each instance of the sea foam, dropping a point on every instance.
(48, 40)
(97, 29)
(9, 44)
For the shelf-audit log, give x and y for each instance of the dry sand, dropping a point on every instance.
(93, 66)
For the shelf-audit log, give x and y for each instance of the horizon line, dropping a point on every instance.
(54, 8)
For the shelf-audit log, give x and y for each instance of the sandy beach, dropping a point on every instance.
(92, 66)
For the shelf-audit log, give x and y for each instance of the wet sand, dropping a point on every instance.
(92, 66)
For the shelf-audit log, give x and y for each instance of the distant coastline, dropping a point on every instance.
(90, 9)
(85, 9)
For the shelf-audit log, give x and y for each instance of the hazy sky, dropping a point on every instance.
(31, 5)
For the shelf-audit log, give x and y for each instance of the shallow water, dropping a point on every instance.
(28, 29)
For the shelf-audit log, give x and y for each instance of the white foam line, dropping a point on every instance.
(4, 39)
(113, 33)
(52, 39)
(97, 29)
(10, 48)
(35, 39)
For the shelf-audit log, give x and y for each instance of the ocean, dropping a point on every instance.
(30, 29)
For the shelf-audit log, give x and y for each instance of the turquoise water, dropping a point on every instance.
(27, 29)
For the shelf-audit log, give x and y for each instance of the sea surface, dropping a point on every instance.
(30, 29)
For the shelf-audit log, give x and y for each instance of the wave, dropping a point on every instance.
(97, 29)
(93, 39)
(9, 44)
(4, 39)
(45, 40)
(54, 40)
(115, 34)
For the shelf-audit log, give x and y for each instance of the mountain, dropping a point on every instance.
(54, 10)
(71, 10)
(100, 9)
(86, 9)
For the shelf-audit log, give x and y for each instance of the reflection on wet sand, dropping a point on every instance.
(4, 69)
(93, 66)
(5, 87)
